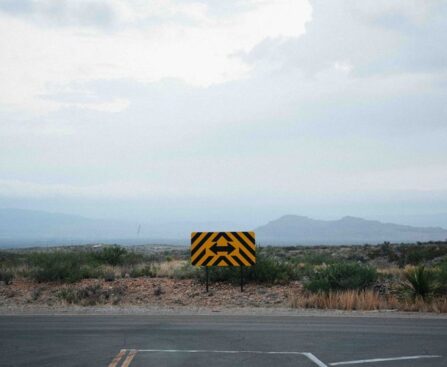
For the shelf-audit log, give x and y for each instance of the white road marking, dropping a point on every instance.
(309, 356)
(214, 351)
(374, 360)
(315, 360)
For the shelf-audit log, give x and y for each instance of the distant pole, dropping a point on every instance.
(242, 278)
(206, 272)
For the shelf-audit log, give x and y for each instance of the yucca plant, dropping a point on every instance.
(420, 282)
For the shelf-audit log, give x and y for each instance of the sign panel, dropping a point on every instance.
(223, 248)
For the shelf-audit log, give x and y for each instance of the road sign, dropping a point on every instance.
(223, 248)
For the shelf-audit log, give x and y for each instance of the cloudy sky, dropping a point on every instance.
(236, 110)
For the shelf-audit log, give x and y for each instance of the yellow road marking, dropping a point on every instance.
(129, 358)
(117, 358)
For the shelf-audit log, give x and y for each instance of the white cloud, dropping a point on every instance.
(343, 66)
(418, 12)
(353, 104)
(114, 105)
(109, 190)
(199, 51)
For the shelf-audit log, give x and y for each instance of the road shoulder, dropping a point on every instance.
(243, 311)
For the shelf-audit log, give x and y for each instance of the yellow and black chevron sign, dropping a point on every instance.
(223, 248)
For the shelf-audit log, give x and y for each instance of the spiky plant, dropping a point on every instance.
(420, 282)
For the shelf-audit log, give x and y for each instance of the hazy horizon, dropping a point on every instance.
(26, 228)
(420, 220)
(239, 111)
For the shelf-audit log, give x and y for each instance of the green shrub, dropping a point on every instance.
(10, 259)
(91, 295)
(420, 254)
(146, 271)
(6, 276)
(313, 258)
(415, 255)
(68, 295)
(268, 269)
(388, 251)
(36, 293)
(187, 271)
(220, 274)
(420, 282)
(111, 255)
(56, 266)
(341, 276)
(70, 265)
(62, 266)
(441, 278)
(109, 276)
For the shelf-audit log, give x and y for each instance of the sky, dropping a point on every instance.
(239, 110)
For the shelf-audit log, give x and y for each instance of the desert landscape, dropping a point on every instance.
(403, 277)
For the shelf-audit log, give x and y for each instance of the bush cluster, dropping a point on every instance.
(91, 295)
(322, 268)
(6, 276)
(341, 276)
(268, 269)
(59, 266)
(145, 271)
(419, 254)
(441, 276)
(71, 265)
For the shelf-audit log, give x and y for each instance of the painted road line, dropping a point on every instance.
(129, 358)
(117, 358)
(315, 359)
(214, 351)
(374, 360)
(309, 356)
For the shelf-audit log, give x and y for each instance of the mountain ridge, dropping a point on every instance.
(350, 230)
(20, 227)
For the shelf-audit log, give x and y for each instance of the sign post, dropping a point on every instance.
(242, 278)
(223, 249)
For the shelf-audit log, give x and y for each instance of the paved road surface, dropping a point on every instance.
(143, 341)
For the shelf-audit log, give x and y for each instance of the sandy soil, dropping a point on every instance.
(159, 292)
(166, 296)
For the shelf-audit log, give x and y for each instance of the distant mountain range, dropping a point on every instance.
(294, 229)
(19, 227)
(35, 228)
(29, 227)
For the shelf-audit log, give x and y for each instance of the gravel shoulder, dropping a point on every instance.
(36, 310)
(165, 296)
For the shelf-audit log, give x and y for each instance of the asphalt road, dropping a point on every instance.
(218, 340)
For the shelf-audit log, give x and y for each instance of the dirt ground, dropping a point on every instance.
(159, 292)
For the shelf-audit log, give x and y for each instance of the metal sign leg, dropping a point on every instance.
(242, 278)
(206, 276)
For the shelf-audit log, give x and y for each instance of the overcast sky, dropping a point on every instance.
(238, 110)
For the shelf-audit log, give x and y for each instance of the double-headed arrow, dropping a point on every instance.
(228, 248)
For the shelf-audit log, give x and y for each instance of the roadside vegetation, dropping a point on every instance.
(409, 277)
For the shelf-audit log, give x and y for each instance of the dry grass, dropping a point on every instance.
(438, 305)
(364, 300)
(168, 269)
(391, 271)
(346, 300)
